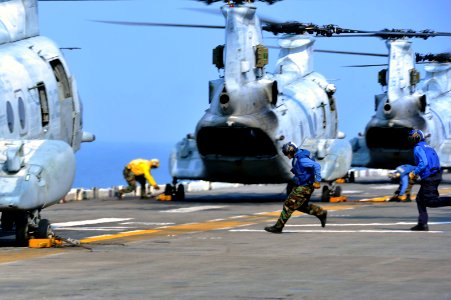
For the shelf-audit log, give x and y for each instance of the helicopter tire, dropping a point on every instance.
(44, 229)
(180, 193)
(337, 191)
(168, 190)
(7, 221)
(325, 194)
(351, 177)
(22, 234)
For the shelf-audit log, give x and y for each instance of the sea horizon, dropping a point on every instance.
(100, 164)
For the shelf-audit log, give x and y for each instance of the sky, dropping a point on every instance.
(150, 84)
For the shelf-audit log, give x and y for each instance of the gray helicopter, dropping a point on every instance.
(403, 106)
(41, 123)
(252, 113)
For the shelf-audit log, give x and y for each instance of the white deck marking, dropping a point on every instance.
(118, 228)
(351, 192)
(340, 231)
(384, 187)
(367, 224)
(192, 209)
(89, 222)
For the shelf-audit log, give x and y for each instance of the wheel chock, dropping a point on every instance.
(338, 199)
(44, 243)
(164, 197)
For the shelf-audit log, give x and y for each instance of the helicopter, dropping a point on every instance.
(252, 113)
(403, 107)
(41, 125)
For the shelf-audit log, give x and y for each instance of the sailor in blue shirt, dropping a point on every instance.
(405, 183)
(428, 169)
(307, 177)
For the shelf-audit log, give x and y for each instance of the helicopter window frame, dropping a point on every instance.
(10, 116)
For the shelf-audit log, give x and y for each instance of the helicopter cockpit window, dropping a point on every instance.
(10, 116)
(22, 118)
(61, 78)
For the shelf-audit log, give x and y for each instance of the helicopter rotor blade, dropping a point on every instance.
(364, 66)
(351, 53)
(159, 24)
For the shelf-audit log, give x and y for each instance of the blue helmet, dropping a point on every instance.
(416, 136)
(289, 148)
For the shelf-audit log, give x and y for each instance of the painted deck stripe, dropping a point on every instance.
(342, 231)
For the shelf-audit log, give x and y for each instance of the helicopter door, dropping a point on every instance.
(65, 99)
(45, 113)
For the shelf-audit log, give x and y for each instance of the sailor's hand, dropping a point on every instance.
(316, 185)
(157, 187)
(412, 176)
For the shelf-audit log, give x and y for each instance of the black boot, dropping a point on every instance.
(408, 199)
(323, 218)
(273, 229)
(420, 227)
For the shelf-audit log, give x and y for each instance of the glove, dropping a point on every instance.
(157, 187)
(412, 176)
(316, 185)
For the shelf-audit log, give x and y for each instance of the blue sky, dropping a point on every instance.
(150, 84)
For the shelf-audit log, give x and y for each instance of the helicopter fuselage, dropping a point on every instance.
(40, 123)
(252, 114)
(403, 108)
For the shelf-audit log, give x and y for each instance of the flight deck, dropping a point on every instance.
(213, 244)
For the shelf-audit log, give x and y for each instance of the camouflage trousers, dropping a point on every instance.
(298, 200)
(131, 179)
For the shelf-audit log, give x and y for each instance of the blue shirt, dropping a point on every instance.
(404, 171)
(306, 171)
(426, 159)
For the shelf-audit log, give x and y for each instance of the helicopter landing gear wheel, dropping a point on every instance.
(44, 229)
(7, 221)
(325, 194)
(337, 191)
(22, 228)
(168, 190)
(330, 191)
(176, 191)
(180, 192)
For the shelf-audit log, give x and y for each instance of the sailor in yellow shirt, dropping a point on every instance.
(139, 170)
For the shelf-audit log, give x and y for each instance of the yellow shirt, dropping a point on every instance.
(142, 167)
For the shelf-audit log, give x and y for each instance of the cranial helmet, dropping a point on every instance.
(416, 136)
(155, 163)
(289, 148)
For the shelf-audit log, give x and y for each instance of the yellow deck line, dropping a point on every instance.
(200, 227)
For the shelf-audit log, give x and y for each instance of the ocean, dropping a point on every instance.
(100, 164)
